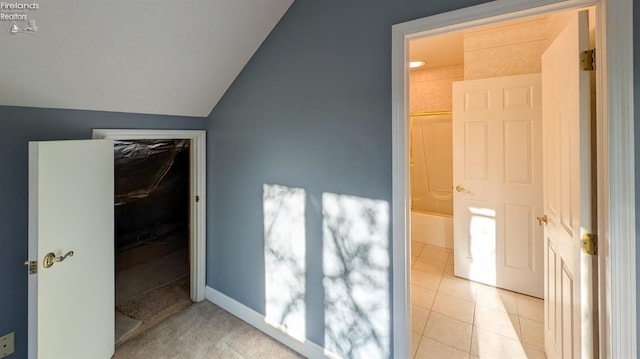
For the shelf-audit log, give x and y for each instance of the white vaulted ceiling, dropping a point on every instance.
(140, 56)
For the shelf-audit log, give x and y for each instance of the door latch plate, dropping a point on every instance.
(32, 266)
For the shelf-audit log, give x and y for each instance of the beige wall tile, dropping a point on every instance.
(438, 73)
(504, 61)
(430, 89)
(505, 50)
(505, 35)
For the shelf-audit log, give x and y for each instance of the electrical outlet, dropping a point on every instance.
(7, 345)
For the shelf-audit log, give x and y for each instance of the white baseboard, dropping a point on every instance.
(257, 320)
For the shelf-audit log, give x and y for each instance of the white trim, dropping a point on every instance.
(616, 197)
(619, 225)
(400, 203)
(32, 280)
(604, 272)
(198, 187)
(307, 349)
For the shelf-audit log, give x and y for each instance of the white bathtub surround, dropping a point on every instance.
(432, 228)
(432, 162)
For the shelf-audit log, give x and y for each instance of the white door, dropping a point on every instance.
(567, 193)
(71, 303)
(497, 177)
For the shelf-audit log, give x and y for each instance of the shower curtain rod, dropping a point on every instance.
(430, 113)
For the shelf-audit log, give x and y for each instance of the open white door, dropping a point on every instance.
(567, 194)
(497, 174)
(71, 303)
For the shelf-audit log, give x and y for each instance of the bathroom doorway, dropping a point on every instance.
(450, 314)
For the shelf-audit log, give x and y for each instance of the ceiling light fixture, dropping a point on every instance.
(416, 64)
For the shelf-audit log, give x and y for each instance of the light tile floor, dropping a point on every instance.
(456, 318)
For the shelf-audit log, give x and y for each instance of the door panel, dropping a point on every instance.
(71, 304)
(567, 202)
(567, 304)
(498, 165)
(519, 231)
(476, 148)
(518, 166)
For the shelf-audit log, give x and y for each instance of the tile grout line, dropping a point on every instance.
(437, 290)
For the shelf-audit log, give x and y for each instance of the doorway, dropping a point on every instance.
(187, 148)
(454, 67)
(490, 14)
(151, 233)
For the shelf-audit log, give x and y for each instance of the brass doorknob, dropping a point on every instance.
(541, 219)
(50, 259)
(460, 188)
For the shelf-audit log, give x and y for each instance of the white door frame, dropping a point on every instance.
(615, 138)
(198, 181)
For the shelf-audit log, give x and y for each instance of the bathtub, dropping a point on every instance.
(432, 228)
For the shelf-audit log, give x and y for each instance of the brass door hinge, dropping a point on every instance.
(32, 266)
(590, 243)
(588, 60)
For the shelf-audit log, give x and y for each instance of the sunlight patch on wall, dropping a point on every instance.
(356, 276)
(284, 254)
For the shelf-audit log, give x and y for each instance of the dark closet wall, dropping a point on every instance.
(151, 191)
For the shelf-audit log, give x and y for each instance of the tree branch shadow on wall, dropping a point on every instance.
(355, 263)
(284, 251)
(356, 276)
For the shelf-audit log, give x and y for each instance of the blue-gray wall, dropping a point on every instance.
(311, 110)
(17, 127)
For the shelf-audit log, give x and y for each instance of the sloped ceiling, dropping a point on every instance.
(139, 56)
